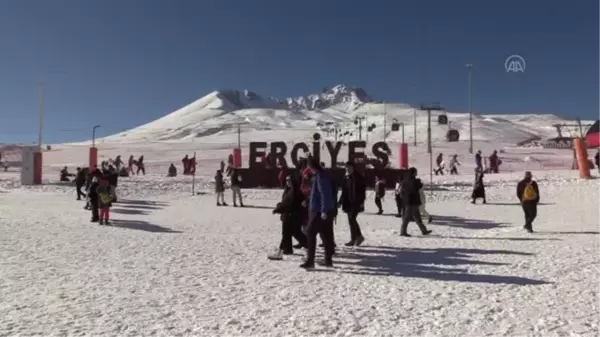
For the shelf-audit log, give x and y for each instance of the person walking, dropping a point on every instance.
(321, 212)
(597, 160)
(80, 178)
(379, 194)
(529, 195)
(439, 162)
(352, 201)
(291, 210)
(454, 164)
(398, 198)
(478, 187)
(412, 200)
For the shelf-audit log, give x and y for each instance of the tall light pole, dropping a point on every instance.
(429, 108)
(358, 121)
(40, 114)
(415, 127)
(385, 121)
(469, 70)
(94, 135)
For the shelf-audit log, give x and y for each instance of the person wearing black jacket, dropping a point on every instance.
(291, 210)
(352, 202)
(412, 200)
(597, 160)
(94, 198)
(80, 178)
(529, 195)
(113, 180)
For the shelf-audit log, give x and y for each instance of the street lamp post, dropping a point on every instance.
(429, 108)
(469, 70)
(384, 121)
(94, 135)
(415, 127)
(358, 121)
(40, 115)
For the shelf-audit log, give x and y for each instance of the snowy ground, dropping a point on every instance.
(175, 265)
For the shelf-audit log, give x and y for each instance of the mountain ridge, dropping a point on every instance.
(337, 106)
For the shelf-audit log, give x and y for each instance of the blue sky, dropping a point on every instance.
(123, 63)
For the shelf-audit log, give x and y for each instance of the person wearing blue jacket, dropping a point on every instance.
(321, 210)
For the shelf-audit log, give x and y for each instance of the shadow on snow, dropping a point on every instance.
(442, 264)
(141, 225)
(460, 222)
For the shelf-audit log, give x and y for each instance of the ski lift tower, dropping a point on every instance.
(429, 108)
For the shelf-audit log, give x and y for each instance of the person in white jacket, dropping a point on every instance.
(422, 209)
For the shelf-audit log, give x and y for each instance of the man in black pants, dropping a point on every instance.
(321, 212)
(529, 196)
(80, 178)
(412, 200)
(94, 198)
(352, 201)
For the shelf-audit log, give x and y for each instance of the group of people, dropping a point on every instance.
(309, 204)
(309, 207)
(100, 187)
(235, 182)
(189, 166)
(493, 163)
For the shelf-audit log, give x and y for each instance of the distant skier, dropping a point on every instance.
(118, 164)
(495, 162)
(130, 164)
(529, 195)
(140, 165)
(479, 160)
(186, 168)
(192, 165)
(172, 171)
(64, 175)
(439, 162)
(454, 164)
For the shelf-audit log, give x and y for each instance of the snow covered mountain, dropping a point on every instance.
(222, 112)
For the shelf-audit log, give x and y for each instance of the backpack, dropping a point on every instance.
(529, 192)
(105, 198)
